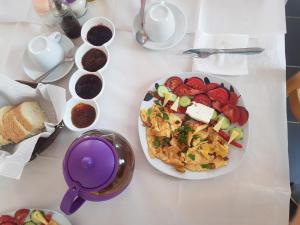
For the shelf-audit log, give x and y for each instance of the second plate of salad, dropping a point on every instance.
(33, 217)
(193, 126)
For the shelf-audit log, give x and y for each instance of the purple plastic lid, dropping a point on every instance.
(69, 1)
(90, 163)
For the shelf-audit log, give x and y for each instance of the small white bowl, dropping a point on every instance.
(75, 77)
(84, 48)
(68, 114)
(94, 22)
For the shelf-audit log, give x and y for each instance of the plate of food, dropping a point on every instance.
(193, 126)
(33, 217)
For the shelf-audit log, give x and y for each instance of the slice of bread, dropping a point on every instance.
(3, 140)
(30, 116)
(13, 129)
(20, 122)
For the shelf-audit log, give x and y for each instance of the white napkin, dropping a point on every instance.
(242, 16)
(223, 64)
(52, 100)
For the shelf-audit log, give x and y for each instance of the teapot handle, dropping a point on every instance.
(71, 201)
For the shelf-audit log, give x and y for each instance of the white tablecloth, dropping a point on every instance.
(257, 193)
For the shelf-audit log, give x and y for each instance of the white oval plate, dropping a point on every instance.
(235, 154)
(58, 217)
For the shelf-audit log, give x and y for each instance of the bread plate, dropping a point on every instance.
(44, 142)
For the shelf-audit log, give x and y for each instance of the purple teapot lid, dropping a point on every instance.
(90, 164)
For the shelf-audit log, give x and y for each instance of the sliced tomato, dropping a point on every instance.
(244, 115)
(173, 82)
(217, 106)
(196, 83)
(183, 90)
(21, 215)
(203, 99)
(167, 107)
(212, 86)
(219, 94)
(180, 109)
(233, 98)
(9, 223)
(6, 218)
(232, 113)
(224, 135)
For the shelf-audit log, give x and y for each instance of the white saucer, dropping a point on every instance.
(180, 29)
(32, 70)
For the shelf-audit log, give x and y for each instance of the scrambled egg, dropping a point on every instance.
(186, 145)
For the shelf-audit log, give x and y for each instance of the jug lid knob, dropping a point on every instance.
(87, 162)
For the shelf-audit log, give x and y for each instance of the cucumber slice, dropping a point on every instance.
(30, 223)
(226, 122)
(214, 115)
(239, 130)
(162, 90)
(184, 101)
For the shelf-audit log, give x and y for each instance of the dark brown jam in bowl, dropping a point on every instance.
(88, 86)
(83, 115)
(93, 60)
(99, 35)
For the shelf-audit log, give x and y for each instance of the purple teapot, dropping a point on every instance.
(97, 166)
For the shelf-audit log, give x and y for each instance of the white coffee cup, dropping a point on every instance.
(45, 51)
(159, 22)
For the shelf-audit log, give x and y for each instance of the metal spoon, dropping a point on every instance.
(69, 57)
(141, 36)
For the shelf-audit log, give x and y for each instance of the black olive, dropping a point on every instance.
(206, 80)
(148, 96)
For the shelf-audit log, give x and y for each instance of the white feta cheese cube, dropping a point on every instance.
(200, 112)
